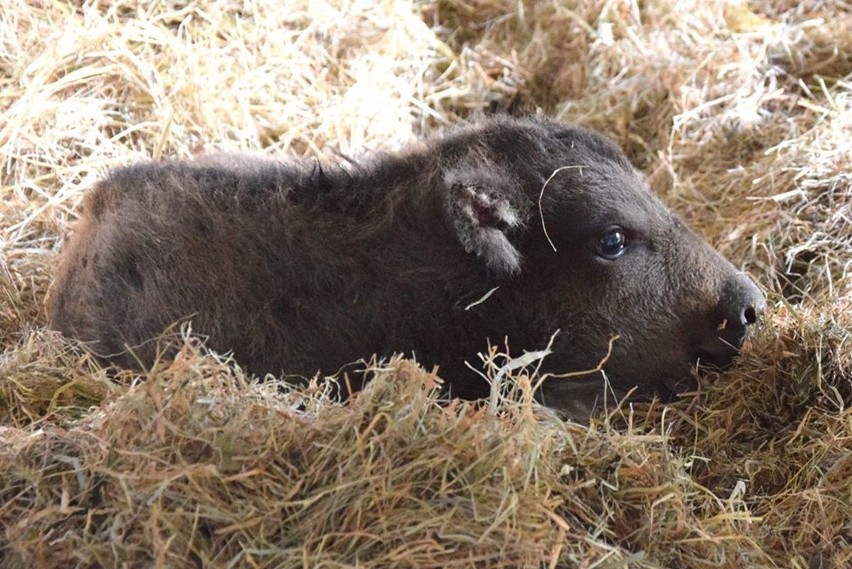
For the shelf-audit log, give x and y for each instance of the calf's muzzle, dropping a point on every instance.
(741, 305)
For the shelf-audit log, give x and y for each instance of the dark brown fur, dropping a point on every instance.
(296, 267)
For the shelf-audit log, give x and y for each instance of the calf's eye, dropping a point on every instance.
(612, 244)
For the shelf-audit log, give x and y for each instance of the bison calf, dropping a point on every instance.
(297, 267)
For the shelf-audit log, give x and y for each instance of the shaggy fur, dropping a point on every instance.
(297, 267)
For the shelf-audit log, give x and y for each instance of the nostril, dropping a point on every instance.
(739, 319)
(742, 303)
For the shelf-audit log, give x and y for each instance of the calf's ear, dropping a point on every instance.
(485, 213)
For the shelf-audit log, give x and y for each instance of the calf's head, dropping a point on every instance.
(576, 242)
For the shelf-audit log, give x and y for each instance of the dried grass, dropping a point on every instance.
(740, 113)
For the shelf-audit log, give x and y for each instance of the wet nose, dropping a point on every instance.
(741, 305)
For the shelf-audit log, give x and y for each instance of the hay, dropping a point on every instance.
(197, 466)
(741, 115)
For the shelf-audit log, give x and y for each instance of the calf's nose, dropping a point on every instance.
(742, 304)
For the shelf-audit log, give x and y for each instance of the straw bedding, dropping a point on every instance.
(739, 113)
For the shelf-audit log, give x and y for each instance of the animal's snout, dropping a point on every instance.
(740, 306)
